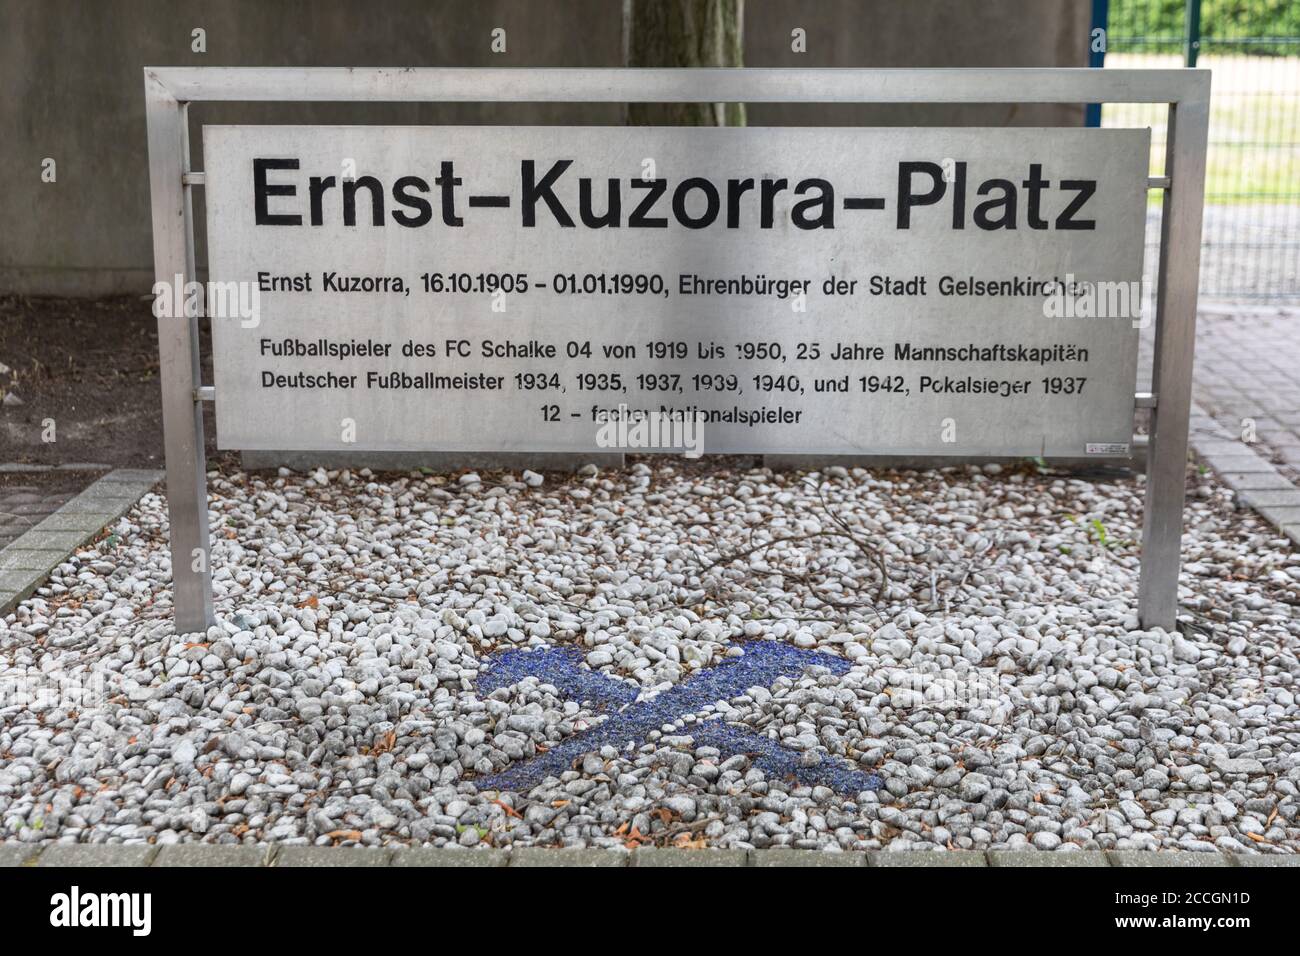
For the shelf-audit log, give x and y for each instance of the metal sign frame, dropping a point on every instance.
(170, 90)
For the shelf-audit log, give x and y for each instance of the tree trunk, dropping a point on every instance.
(685, 33)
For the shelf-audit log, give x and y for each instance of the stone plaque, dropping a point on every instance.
(826, 291)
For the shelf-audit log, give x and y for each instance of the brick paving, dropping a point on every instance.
(30, 493)
(1246, 414)
(1248, 379)
(28, 558)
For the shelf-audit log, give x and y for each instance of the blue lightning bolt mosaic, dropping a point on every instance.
(632, 721)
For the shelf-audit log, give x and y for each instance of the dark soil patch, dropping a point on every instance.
(90, 366)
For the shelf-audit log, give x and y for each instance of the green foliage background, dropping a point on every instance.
(1245, 26)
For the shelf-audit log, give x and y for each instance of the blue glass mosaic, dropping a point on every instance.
(630, 721)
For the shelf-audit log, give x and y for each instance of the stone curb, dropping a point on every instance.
(29, 558)
(1257, 482)
(240, 855)
(20, 468)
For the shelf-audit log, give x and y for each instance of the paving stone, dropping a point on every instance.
(81, 855)
(671, 856)
(21, 497)
(144, 476)
(212, 854)
(1208, 429)
(1180, 858)
(1281, 516)
(16, 854)
(1055, 858)
(21, 559)
(15, 496)
(439, 856)
(1278, 498)
(1259, 481)
(1267, 859)
(110, 494)
(16, 585)
(1220, 447)
(33, 512)
(327, 856)
(61, 521)
(929, 858)
(16, 467)
(58, 534)
(787, 856)
(1244, 377)
(96, 505)
(65, 541)
(1241, 464)
(576, 856)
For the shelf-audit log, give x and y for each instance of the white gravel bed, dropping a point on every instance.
(994, 681)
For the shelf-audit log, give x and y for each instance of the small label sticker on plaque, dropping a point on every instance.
(1108, 448)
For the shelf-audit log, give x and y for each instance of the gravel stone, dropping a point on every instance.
(993, 692)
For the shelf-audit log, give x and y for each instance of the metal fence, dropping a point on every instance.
(1251, 242)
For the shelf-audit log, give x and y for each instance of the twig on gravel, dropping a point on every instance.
(669, 832)
(846, 531)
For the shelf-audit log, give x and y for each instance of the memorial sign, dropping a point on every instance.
(938, 291)
(883, 291)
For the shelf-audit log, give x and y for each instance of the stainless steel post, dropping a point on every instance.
(1176, 290)
(178, 355)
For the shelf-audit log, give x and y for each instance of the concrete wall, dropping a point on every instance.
(73, 90)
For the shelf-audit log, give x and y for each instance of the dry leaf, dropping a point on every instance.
(510, 811)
